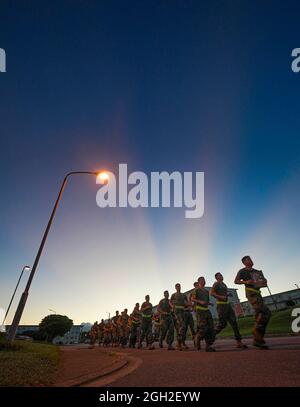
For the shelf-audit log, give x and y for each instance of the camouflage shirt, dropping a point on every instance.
(164, 305)
(250, 274)
(148, 310)
(201, 294)
(220, 288)
(178, 300)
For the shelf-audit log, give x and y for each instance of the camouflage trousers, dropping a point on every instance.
(179, 325)
(205, 327)
(262, 315)
(100, 338)
(107, 338)
(226, 315)
(124, 335)
(167, 329)
(156, 331)
(146, 331)
(116, 336)
(134, 334)
(188, 323)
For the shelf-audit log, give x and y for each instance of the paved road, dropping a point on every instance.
(278, 366)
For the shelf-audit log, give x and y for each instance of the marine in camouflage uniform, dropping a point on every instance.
(124, 328)
(107, 338)
(116, 329)
(205, 323)
(156, 326)
(135, 318)
(101, 332)
(94, 333)
(178, 301)
(188, 323)
(254, 280)
(167, 324)
(225, 311)
(146, 325)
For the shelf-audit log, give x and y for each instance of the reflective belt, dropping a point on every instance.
(200, 308)
(136, 322)
(179, 306)
(222, 302)
(255, 290)
(146, 316)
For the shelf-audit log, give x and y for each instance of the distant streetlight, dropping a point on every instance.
(297, 286)
(13, 296)
(13, 329)
(52, 310)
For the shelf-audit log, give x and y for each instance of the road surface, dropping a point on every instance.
(278, 366)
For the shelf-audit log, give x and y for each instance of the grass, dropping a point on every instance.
(280, 324)
(28, 364)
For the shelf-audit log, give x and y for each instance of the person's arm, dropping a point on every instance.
(145, 306)
(216, 296)
(201, 302)
(239, 280)
(263, 282)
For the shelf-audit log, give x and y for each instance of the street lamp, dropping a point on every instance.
(13, 329)
(52, 310)
(13, 296)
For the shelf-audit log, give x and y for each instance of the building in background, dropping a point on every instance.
(74, 335)
(283, 300)
(71, 337)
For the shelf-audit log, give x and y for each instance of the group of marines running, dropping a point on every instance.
(175, 313)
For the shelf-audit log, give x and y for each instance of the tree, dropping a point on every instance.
(55, 325)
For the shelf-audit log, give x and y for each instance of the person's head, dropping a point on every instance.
(178, 287)
(201, 282)
(117, 313)
(196, 284)
(247, 261)
(166, 294)
(137, 305)
(219, 277)
(147, 298)
(125, 311)
(102, 320)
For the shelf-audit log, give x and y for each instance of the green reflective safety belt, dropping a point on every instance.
(222, 302)
(255, 290)
(146, 316)
(200, 308)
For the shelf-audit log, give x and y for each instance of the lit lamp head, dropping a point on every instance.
(103, 176)
(27, 268)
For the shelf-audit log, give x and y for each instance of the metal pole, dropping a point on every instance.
(22, 303)
(13, 296)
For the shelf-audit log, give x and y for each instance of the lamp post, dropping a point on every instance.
(21, 306)
(14, 293)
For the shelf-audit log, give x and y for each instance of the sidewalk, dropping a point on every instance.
(80, 365)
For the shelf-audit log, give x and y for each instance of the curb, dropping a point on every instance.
(85, 379)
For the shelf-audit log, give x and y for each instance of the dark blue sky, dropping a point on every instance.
(160, 85)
